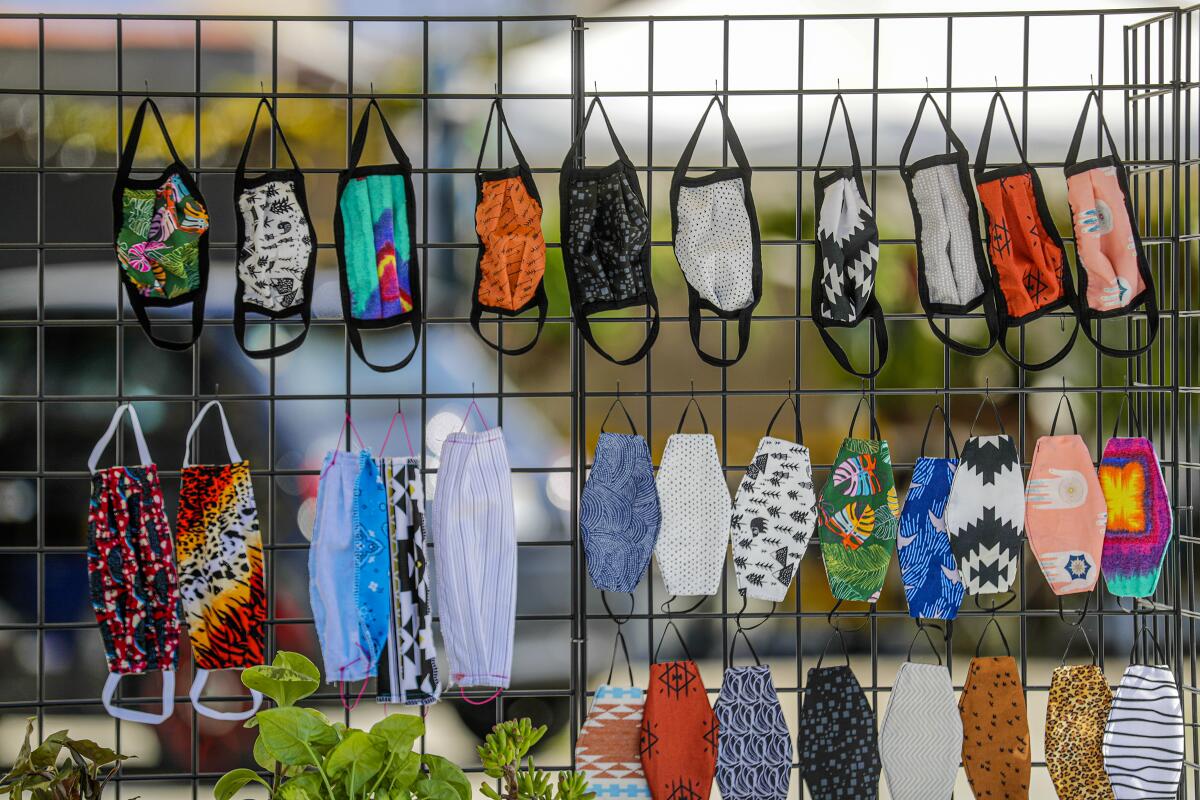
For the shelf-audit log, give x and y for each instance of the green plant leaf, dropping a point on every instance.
(93, 752)
(232, 782)
(293, 736)
(302, 787)
(433, 789)
(284, 685)
(297, 662)
(46, 754)
(442, 769)
(360, 756)
(399, 730)
(404, 770)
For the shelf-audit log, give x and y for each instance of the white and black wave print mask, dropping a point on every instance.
(714, 229)
(843, 289)
(952, 275)
(985, 513)
(277, 250)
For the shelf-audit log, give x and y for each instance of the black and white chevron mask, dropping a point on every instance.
(843, 287)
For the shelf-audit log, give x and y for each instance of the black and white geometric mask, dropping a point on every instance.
(843, 287)
(985, 513)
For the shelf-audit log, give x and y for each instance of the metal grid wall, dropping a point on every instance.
(1159, 87)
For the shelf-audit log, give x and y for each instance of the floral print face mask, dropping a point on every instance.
(161, 235)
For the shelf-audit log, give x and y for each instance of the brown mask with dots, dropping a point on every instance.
(995, 749)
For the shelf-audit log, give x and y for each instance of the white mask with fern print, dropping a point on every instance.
(773, 519)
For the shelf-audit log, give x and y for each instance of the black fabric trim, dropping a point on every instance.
(403, 167)
(520, 170)
(571, 173)
(741, 171)
(986, 298)
(241, 184)
(872, 308)
(1148, 297)
(123, 181)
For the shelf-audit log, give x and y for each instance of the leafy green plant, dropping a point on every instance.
(502, 752)
(310, 758)
(37, 773)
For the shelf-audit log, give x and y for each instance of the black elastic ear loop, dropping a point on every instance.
(609, 611)
(620, 637)
(923, 627)
(673, 627)
(738, 616)
(624, 410)
(683, 417)
(837, 631)
(795, 407)
(993, 620)
(871, 411)
(1135, 419)
(1138, 631)
(949, 431)
(986, 137)
(855, 160)
(1077, 627)
(987, 398)
(733, 646)
(1070, 410)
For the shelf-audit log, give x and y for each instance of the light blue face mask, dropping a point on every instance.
(349, 579)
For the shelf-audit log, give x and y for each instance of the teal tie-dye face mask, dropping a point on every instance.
(377, 257)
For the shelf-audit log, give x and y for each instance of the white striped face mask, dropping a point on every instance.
(474, 535)
(1143, 740)
(695, 507)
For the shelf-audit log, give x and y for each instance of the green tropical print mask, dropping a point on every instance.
(858, 519)
(158, 244)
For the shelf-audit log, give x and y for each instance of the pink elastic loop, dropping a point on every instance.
(467, 416)
(342, 685)
(338, 448)
(388, 435)
(463, 693)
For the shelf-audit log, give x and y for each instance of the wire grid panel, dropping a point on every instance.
(673, 81)
(324, 379)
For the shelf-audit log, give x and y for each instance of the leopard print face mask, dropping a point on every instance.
(221, 568)
(1076, 713)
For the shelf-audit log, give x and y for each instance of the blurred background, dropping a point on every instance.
(64, 358)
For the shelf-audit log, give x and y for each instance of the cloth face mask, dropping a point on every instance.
(847, 253)
(1114, 275)
(1076, 713)
(932, 584)
(1065, 511)
(131, 572)
(921, 736)
(838, 749)
(773, 516)
(605, 234)
(408, 672)
(277, 250)
(714, 229)
(619, 514)
(375, 229)
(985, 513)
(1027, 255)
(679, 732)
(512, 250)
(221, 567)
(694, 499)
(1139, 516)
(858, 517)
(608, 748)
(995, 747)
(348, 571)
(161, 235)
(474, 532)
(754, 753)
(952, 276)
(1143, 738)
